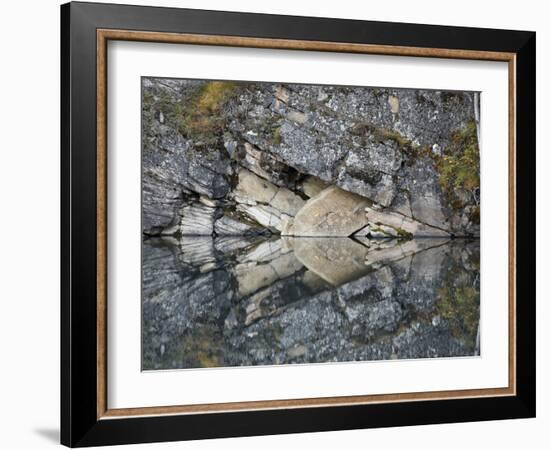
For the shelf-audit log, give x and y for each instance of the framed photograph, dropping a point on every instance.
(277, 224)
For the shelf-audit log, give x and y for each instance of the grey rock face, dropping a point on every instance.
(197, 219)
(218, 144)
(251, 190)
(426, 200)
(174, 166)
(231, 224)
(369, 171)
(311, 186)
(394, 224)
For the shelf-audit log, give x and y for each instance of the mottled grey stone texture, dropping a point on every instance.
(287, 223)
(305, 300)
(389, 146)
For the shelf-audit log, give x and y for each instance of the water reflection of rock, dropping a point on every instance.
(236, 301)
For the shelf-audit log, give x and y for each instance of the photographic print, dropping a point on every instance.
(298, 223)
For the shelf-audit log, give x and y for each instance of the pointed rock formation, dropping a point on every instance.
(385, 223)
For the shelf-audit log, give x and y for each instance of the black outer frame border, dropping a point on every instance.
(79, 425)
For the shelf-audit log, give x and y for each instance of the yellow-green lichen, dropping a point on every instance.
(403, 234)
(202, 347)
(380, 134)
(198, 115)
(277, 138)
(458, 167)
(201, 118)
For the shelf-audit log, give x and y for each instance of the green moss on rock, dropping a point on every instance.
(201, 117)
(458, 167)
(277, 138)
(403, 234)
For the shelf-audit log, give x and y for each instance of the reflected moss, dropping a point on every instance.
(203, 346)
(199, 348)
(458, 304)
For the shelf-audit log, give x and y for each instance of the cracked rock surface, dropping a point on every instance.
(263, 155)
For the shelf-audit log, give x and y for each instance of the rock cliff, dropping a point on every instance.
(236, 158)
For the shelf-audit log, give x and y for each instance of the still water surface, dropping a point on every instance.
(238, 301)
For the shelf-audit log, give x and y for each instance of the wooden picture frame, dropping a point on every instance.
(86, 418)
